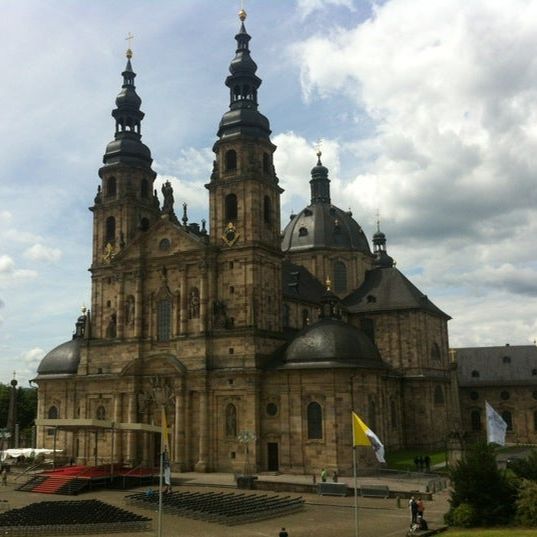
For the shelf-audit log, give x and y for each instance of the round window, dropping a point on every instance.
(474, 396)
(504, 395)
(272, 409)
(164, 244)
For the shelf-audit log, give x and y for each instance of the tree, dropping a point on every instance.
(26, 407)
(478, 483)
(525, 468)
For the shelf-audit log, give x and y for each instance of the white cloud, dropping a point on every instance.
(5, 217)
(39, 252)
(306, 7)
(9, 272)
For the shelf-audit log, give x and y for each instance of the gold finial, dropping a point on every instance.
(318, 146)
(242, 15)
(129, 38)
(328, 284)
(83, 309)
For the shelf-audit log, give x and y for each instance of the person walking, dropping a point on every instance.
(283, 533)
(420, 506)
(324, 475)
(413, 508)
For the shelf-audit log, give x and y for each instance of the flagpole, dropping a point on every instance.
(161, 471)
(355, 492)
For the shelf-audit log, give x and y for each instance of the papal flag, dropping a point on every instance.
(496, 426)
(362, 435)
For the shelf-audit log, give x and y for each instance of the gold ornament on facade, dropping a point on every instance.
(231, 235)
(108, 253)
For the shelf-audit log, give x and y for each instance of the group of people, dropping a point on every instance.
(324, 476)
(417, 508)
(423, 464)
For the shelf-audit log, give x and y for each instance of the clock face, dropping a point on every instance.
(230, 235)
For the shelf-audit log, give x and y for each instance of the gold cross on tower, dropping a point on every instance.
(129, 38)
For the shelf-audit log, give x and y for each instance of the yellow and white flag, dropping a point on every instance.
(362, 435)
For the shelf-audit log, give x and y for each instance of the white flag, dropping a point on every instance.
(496, 426)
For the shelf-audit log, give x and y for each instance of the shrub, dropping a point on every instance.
(464, 516)
(478, 483)
(526, 468)
(526, 503)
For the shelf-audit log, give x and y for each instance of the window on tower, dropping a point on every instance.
(231, 207)
(267, 210)
(435, 352)
(266, 162)
(164, 317)
(111, 187)
(231, 160)
(110, 232)
(340, 277)
(144, 188)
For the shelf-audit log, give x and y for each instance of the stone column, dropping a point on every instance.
(138, 307)
(131, 435)
(203, 452)
(179, 431)
(120, 308)
(118, 435)
(184, 299)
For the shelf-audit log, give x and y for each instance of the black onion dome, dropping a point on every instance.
(331, 342)
(62, 360)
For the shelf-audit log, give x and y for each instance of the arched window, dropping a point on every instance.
(101, 413)
(53, 413)
(315, 421)
(231, 207)
(285, 318)
(305, 317)
(231, 160)
(372, 415)
(111, 187)
(231, 420)
(110, 232)
(144, 188)
(393, 414)
(368, 327)
(266, 162)
(164, 315)
(475, 418)
(438, 395)
(340, 277)
(435, 352)
(267, 210)
(508, 418)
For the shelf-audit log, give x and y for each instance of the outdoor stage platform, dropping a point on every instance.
(71, 480)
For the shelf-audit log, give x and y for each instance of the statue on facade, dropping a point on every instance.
(194, 304)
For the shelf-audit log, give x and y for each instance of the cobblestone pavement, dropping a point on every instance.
(323, 515)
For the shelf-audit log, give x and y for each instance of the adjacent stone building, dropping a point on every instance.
(258, 344)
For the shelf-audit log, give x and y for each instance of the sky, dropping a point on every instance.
(427, 112)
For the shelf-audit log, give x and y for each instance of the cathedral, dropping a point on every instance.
(254, 343)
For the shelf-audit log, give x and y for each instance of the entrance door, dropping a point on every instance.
(272, 457)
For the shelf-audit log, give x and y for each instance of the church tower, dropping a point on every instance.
(245, 200)
(125, 205)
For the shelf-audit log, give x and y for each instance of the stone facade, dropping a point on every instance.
(207, 317)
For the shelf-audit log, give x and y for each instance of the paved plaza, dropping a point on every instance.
(323, 515)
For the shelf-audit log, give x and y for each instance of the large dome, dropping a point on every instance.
(332, 343)
(62, 360)
(323, 225)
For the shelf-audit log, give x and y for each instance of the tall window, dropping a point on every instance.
(110, 232)
(285, 320)
(164, 314)
(475, 418)
(315, 421)
(267, 210)
(372, 415)
(435, 352)
(508, 418)
(340, 277)
(368, 326)
(231, 207)
(111, 187)
(144, 188)
(438, 395)
(266, 162)
(53, 413)
(305, 317)
(231, 420)
(231, 160)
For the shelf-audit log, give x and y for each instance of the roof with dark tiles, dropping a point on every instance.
(300, 284)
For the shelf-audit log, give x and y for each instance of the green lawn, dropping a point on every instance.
(498, 532)
(404, 459)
